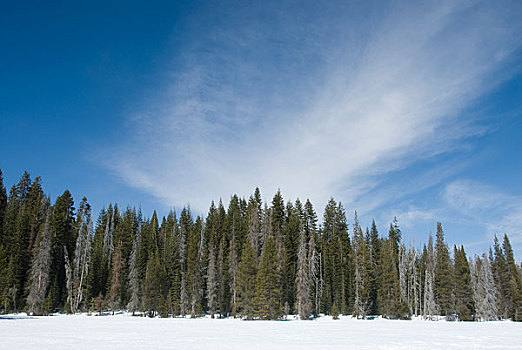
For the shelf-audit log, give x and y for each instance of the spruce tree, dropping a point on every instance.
(501, 275)
(362, 275)
(153, 285)
(133, 278)
(374, 243)
(464, 305)
(267, 303)
(515, 284)
(291, 240)
(3, 205)
(63, 240)
(247, 281)
(212, 282)
(390, 303)
(443, 274)
(17, 228)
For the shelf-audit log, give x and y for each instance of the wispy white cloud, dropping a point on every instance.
(486, 205)
(320, 103)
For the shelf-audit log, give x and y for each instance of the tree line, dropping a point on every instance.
(251, 259)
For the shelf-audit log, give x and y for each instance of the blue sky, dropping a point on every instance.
(408, 109)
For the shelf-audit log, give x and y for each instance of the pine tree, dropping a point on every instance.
(63, 241)
(336, 257)
(193, 274)
(212, 282)
(501, 275)
(3, 205)
(374, 243)
(310, 228)
(267, 297)
(515, 282)
(464, 305)
(233, 268)
(17, 228)
(443, 273)
(390, 303)
(362, 266)
(246, 281)
(185, 229)
(133, 279)
(3, 241)
(291, 239)
(153, 285)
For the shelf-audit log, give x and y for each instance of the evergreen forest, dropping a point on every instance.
(248, 258)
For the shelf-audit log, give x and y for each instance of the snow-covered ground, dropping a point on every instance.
(127, 332)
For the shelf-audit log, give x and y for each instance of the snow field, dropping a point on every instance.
(127, 332)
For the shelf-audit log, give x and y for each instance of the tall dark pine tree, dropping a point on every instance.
(443, 274)
(267, 304)
(501, 275)
(515, 283)
(3, 251)
(374, 243)
(279, 225)
(63, 240)
(247, 281)
(3, 205)
(291, 239)
(336, 255)
(464, 305)
(390, 303)
(22, 220)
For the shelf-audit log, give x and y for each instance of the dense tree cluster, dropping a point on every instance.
(252, 260)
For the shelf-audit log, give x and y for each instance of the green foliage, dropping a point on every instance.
(443, 274)
(389, 292)
(154, 288)
(245, 260)
(464, 305)
(247, 281)
(267, 303)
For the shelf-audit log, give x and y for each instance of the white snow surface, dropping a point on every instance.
(127, 332)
